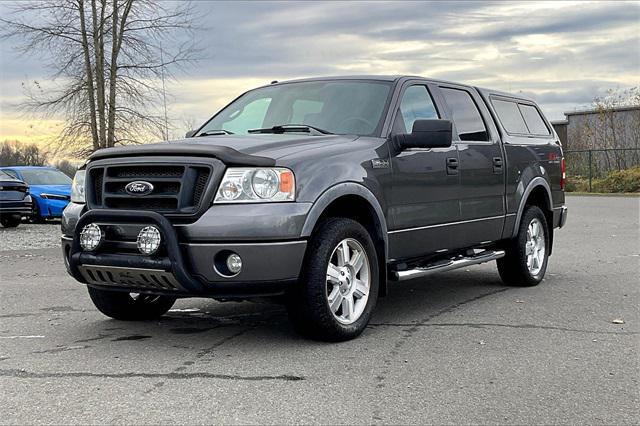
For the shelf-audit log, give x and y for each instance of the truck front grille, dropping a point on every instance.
(177, 188)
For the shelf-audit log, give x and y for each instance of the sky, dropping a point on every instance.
(562, 54)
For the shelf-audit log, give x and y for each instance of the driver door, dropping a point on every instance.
(425, 184)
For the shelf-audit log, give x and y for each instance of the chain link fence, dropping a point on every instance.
(592, 164)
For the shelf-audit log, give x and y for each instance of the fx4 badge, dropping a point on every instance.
(379, 163)
(138, 187)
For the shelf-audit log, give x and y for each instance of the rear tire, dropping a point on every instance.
(336, 293)
(123, 306)
(10, 221)
(527, 255)
(36, 217)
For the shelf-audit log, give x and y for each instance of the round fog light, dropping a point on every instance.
(90, 237)
(234, 263)
(149, 240)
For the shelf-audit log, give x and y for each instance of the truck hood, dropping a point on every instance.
(253, 150)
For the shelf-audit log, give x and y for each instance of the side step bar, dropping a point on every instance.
(449, 265)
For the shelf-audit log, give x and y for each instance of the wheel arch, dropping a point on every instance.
(354, 201)
(537, 193)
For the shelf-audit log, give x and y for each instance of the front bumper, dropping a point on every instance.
(51, 208)
(184, 268)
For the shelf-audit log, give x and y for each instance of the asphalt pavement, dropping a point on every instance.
(456, 348)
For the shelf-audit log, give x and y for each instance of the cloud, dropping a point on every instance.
(561, 53)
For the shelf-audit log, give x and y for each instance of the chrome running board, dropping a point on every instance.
(449, 265)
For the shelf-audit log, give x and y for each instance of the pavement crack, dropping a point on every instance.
(489, 325)
(455, 306)
(207, 351)
(61, 349)
(222, 342)
(61, 309)
(21, 315)
(100, 336)
(22, 374)
(412, 328)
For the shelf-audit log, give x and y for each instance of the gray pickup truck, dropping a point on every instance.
(324, 192)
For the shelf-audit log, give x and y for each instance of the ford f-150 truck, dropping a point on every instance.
(324, 191)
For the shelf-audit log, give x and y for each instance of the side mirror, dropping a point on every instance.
(427, 134)
(190, 133)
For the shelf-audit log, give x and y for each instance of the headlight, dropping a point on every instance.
(77, 187)
(256, 185)
(54, 197)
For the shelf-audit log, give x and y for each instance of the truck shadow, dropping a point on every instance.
(408, 303)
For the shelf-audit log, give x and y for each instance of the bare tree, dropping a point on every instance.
(611, 130)
(14, 153)
(618, 126)
(108, 59)
(66, 167)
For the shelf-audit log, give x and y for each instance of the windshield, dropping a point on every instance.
(45, 177)
(339, 106)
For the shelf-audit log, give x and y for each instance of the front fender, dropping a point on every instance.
(337, 191)
(354, 189)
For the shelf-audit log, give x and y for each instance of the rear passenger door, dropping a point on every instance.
(531, 150)
(481, 167)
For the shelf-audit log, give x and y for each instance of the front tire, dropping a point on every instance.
(338, 287)
(130, 307)
(10, 221)
(527, 255)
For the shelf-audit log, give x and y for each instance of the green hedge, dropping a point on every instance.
(618, 181)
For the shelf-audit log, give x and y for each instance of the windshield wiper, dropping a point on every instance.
(215, 133)
(294, 128)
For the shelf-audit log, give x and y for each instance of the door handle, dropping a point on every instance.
(497, 164)
(452, 166)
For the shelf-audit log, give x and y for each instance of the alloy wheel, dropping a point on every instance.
(348, 281)
(535, 247)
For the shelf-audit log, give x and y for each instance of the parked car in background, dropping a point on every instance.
(48, 186)
(15, 200)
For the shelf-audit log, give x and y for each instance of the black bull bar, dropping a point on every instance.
(173, 262)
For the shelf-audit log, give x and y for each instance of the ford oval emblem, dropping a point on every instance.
(139, 188)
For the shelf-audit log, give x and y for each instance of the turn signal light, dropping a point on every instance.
(286, 181)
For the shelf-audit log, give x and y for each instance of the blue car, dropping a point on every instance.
(48, 186)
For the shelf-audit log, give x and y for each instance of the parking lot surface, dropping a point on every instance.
(456, 348)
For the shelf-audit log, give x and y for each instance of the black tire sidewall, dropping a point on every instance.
(36, 216)
(309, 303)
(518, 252)
(10, 221)
(120, 305)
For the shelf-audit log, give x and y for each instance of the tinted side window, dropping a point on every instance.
(466, 116)
(534, 121)
(510, 116)
(416, 104)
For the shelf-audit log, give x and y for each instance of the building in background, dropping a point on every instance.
(612, 128)
(600, 141)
